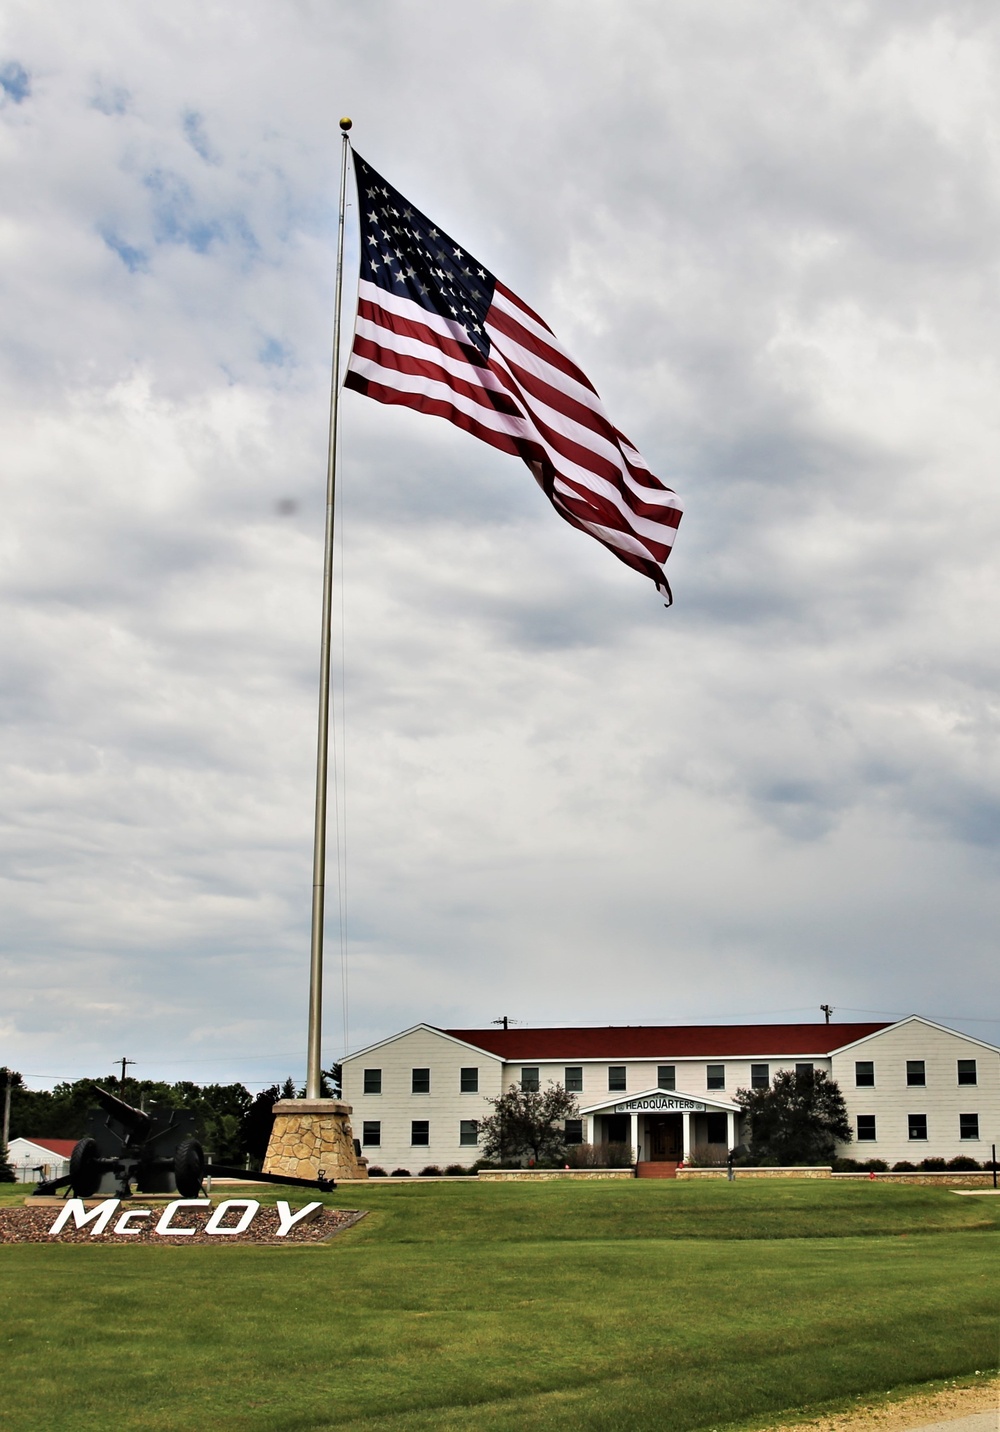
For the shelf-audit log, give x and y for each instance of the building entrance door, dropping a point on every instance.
(665, 1138)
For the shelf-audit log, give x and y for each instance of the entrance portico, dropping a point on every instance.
(662, 1126)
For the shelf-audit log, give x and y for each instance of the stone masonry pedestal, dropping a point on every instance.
(310, 1135)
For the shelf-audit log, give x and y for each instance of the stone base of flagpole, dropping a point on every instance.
(313, 1137)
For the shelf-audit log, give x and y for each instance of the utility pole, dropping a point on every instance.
(827, 1010)
(123, 1062)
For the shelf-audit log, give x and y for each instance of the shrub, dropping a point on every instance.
(844, 1165)
(904, 1166)
(431, 1171)
(454, 1171)
(376, 1172)
(599, 1156)
(875, 1166)
(707, 1156)
(962, 1161)
(401, 1173)
(935, 1164)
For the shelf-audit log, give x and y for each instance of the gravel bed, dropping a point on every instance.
(31, 1225)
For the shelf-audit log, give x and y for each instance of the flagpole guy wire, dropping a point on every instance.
(313, 1055)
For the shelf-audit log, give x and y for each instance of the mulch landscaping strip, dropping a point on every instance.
(31, 1225)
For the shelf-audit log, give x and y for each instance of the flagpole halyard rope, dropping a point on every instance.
(313, 1053)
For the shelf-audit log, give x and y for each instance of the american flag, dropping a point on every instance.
(436, 331)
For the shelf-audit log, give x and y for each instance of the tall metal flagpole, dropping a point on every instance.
(313, 1056)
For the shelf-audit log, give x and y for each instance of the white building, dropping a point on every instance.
(36, 1159)
(913, 1088)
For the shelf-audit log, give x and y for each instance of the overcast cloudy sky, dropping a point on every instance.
(770, 233)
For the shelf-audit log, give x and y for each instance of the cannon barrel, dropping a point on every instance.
(134, 1120)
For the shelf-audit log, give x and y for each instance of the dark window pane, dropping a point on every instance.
(616, 1077)
(470, 1081)
(373, 1081)
(666, 1077)
(716, 1076)
(967, 1071)
(574, 1131)
(371, 1133)
(866, 1128)
(420, 1132)
(529, 1080)
(864, 1074)
(574, 1079)
(918, 1126)
(760, 1076)
(968, 1125)
(421, 1081)
(803, 1068)
(717, 1128)
(468, 1132)
(916, 1075)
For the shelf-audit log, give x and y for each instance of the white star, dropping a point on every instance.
(372, 193)
(453, 309)
(433, 233)
(407, 213)
(481, 272)
(398, 278)
(372, 239)
(457, 253)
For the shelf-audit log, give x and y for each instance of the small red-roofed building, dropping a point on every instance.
(35, 1159)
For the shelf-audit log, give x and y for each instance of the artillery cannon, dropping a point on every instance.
(159, 1152)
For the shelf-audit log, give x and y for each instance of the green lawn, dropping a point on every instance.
(609, 1306)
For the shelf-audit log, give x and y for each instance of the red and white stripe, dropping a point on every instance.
(528, 398)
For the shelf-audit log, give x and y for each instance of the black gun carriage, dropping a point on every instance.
(159, 1152)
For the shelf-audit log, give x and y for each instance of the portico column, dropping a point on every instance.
(686, 1126)
(732, 1129)
(588, 1128)
(634, 1135)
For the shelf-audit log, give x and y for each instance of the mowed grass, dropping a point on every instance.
(608, 1306)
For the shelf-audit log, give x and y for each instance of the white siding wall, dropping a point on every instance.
(396, 1107)
(942, 1100)
(691, 1074)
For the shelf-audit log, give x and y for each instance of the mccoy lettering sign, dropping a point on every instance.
(183, 1218)
(661, 1104)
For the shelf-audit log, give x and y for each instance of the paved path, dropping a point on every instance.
(976, 1422)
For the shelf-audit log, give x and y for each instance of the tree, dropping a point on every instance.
(7, 1174)
(800, 1119)
(528, 1122)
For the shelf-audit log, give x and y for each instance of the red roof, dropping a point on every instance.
(666, 1041)
(62, 1147)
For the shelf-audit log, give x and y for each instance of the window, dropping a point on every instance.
(470, 1081)
(616, 1077)
(371, 1133)
(716, 1076)
(918, 1126)
(803, 1069)
(666, 1077)
(468, 1132)
(866, 1128)
(968, 1126)
(373, 1081)
(529, 1080)
(574, 1131)
(760, 1076)
(967, 1071)
(717, 1128)
(864, 1074)
(421, 1083)
(916, 1074)
(420, 1133)
(573, 1083)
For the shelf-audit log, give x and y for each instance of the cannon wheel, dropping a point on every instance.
(189, 1167)
(85, 1172)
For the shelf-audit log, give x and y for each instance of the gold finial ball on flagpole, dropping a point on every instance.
(345, 124)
